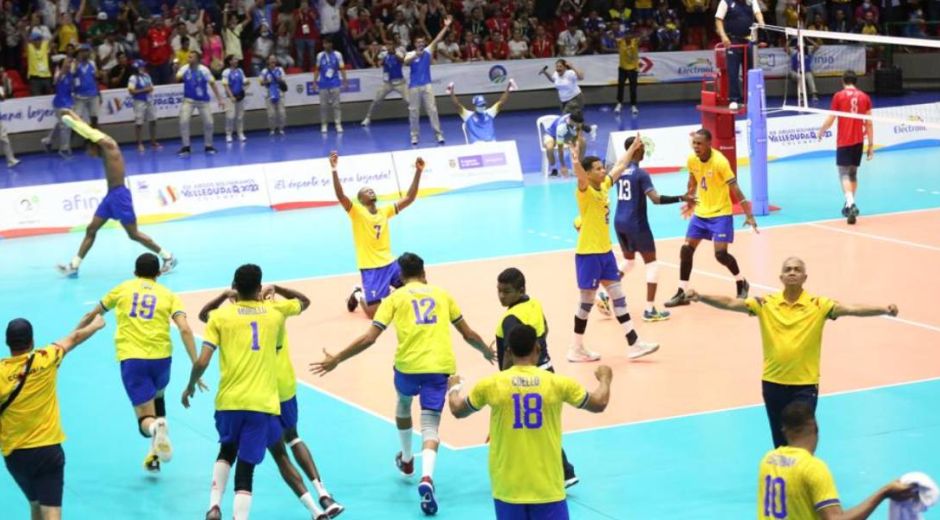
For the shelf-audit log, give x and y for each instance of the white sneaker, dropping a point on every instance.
(366, 122)
(12, 163)
(323, 128)
(280, 132)
(582, 355)
(733, 105)
(242, 138)
(339, 128)
(161, 441)
(634, 110)
(617, 108)
(593, 132)
(640, 349)
(271, 132)
(228, 138)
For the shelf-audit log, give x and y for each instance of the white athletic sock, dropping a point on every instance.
(849, 198)
(76, 261)
(307, 500)
(166, 255)
(153, 427)
(683, 284)
(219, 480)
(318, 486)
(649, 306)
(406, 453)
(579, 340)
(428, 457)
(242, 505)
(626, 266)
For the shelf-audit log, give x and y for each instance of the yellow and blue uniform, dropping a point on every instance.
(792, 341)
(247, 334)
(594, 259)
(792, 483)
(527, 311)
(374, 258)
(30, 428)
(422, 315)
(525, 435)
(713, 210)
(286, 386)
(144, 309)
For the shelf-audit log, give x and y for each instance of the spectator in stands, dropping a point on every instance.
(272, 79)
(11, 30)
(449, 50)
(839, 21)
(572, 42)
(120, 73)
(371, 54)
(66, 32)
(232, 34)
(523, 24)
(331, 22)
(61, 134)
(283, 46)
(791, 13)
(361, 29)
(542, 45)
(628, 47)
(518, 46)
(37, 61)
(668, 35)
(479, 123)
(843, 6)
(330, 67)
(733, 23)
(233, 81)
(794, 73)
(420, 91)
(819, 23)
(398, 33)
(306, 34)
(213, 50)
(181, 55)
(643, 10)
(471, 50)
(498, 22)
(594, 27)
(107, 54)
(867, 25)
(140, 86)
(263, 47)
(496, 49)
(565, 78)
(156, 51)
(916, 25)
(813, 7)
(6, 89)
(697, 22)
(197, 79)
(867, 7)
(87, 101)
(431, 17)
(477, 25)
(391, 60)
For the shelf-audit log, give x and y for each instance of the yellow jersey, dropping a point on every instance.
(247, 334)
(629, 49)
(68, 33)
(371, 235)
(286, 378)
(792, 336)
(527, 311)
(712, 177)
(32, 420)
(144, 310)
(37, 59)
(793, 484)
(422, 315)
(594, 210)
(525, 431)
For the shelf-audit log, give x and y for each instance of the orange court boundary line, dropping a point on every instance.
(876, 237)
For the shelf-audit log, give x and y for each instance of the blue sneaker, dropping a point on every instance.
(655, 315)
(428, 501)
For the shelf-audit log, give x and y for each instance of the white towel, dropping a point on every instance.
(913, 509)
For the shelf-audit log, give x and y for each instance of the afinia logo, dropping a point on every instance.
(498, 74)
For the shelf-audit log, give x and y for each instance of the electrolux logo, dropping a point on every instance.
(699, 66)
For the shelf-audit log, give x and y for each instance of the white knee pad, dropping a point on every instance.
(403, 408)
(652, 272)
(585, 305)
(626, 266)
(430, 424)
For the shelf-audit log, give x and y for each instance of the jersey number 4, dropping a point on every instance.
(528, 411)
(147, 306)
(775, 497)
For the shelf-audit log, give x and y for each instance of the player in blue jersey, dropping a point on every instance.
(632, 225)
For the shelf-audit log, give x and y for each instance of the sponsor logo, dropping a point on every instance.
(498, 74)
(481, 161)
(697, 67)
(793, 136)
(912, 127)
(352, 85)
(82, 202)
(646, 65)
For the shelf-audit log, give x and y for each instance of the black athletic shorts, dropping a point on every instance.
(40, 473)
(849, 155)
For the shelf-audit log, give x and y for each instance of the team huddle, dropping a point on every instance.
(256, 404)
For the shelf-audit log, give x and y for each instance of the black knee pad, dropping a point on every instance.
(159, 405)
(723, 257)
(140, 425)
(289, 435)
(686, 252)
(244, 474)
(228, 452)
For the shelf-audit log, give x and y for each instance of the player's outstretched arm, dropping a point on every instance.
(453, 99)
(896, 490)
(457, 403)
(189, 342)
(598, 399)
(440, 35)
(474, 340)
(863, 311)
(195, 376)
(330, 362)
(725, 303)
(617, 171)
(290, 294)
(576, 163)
(82, 332)
(215, 303)
(656, 198)
(413, 189)
(338, 186)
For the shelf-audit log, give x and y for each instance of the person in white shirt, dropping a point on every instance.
(565, 78)
(449, 51)
(331, 21)
(399, 31)
(518, 46)
(233, 81)
(571, 42)
(140, 87)
(196, 77)
(330, 77)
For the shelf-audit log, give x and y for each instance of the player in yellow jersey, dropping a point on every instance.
(714, 185)
(246, 334)
(594, 260)
(374, 258)
(31, 433)
(525, 428)
(791, 327)
(287, 393)
(795, 485)
(144, 310)
(424, 359)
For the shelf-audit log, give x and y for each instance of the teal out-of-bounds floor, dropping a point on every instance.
(697, 467)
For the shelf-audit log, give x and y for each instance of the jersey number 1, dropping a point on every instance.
(255, 342)
(775, 497)
(528, 411)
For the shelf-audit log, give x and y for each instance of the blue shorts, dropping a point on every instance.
(117, 205)
(288, 417)
(431, 387)
(251, 432)
(377, 283)
(549, 511)
(637, 241)
(39, 472)
(143, 378)
(716, 229)
(592, 269)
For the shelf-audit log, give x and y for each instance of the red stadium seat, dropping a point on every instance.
(20, 88)
(294, 70)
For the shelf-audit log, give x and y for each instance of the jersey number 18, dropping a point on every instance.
(528, 411)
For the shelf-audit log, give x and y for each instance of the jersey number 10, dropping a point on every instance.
(528, 411)
(775, 497)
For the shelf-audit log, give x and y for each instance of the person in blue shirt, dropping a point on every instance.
(420, 87)
(393, 78)
(233, 81)
(561, 132)
(631, 223)
(196, 78)
(272, 79)
(480, 123)
(63, 83)
(794, 73)
(330, 68)
(140, 87)
(85, 94)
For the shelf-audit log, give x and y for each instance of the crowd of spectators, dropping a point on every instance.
(37, 34)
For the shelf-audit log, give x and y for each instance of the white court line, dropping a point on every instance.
(877, 237)
(722, 410)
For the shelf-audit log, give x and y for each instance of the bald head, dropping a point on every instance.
(793, 272)
(367, 196)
